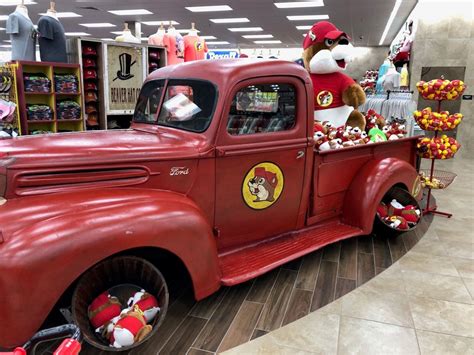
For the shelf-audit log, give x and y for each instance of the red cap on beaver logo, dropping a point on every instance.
(267, 175)
(320, 31)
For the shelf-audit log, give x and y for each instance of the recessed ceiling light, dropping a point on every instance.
(257, 36)
(307, 17)
(76, 34)
(2, 28)
(8, 40)
(64, 14)
(131, 12)
(209, 8)
(106, 39)
(158, 23)
(390, 20)
(207, 37)
(16, 2)
(304, 28)
(121, 33)
(245, 29)
(6, 45)
(97, 25)
(187, 30)
(268, 42)
(218, 42)
(3, 17)
(298, 4)
(230, 20)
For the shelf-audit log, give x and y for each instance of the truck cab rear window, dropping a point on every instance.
(262, 108)
(183, 104)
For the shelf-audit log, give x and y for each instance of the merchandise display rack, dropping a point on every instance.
(11, 94)
(444, 177)
(51, 98)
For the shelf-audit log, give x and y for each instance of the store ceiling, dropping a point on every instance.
(363, 20)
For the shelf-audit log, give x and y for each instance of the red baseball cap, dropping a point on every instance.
(90, 74)
(92, 119)
(89, 50)
(268, 175)
(90, 86)
(91, 96)
(90, 108)
(89, 63)
(321, 31)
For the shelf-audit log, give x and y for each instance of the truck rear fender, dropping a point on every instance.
(39, 262)
(370, 185)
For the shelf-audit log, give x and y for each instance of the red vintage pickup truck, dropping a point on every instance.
(218, 170)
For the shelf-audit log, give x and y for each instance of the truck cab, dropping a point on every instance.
(219, 169)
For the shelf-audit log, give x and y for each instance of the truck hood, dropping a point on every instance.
(100, 146)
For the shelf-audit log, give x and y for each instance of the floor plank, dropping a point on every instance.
(292, 265)
(331, 252)
(325, 285)
(309, 270)
(378, 270)
(382, 252)
(206, 307)
(365, 244)
(274, 310)
(257, 333)
(217, 326)
(243, 326)
(194, 351)
(397, 248)
(298, 306)
(344, 286)
(365, 268)
(184, 336)
(348, 259)
(262, 287)
(410, 239)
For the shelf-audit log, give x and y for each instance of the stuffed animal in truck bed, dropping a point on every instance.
(327, 52)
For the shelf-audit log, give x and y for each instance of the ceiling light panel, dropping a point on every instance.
(158, 23)
(307, 17)
(106, 39)
(215, 8)
(131, 12)
(299, 4)
(303, 28)
(97, 25)
(268, 42)
(257, 36)
(16, 2)
(187, 30)
(230, 20)
(207, 37)
(3, 17)
(245, 29)
(64, 14)
(76, 34)
(390, 20)
(217, 42)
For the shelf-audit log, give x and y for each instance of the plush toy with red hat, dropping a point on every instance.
(102, 309)
(130, 328)
(327, 52)
(147, 303)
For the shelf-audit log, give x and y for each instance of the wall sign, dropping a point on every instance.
(125, 78)
(222, 55)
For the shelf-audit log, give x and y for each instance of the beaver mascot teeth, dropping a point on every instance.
(327, 52)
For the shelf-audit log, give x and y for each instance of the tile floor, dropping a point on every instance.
(422, 304)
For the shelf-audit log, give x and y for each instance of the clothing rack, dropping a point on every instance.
(10, 94)
(398, 92)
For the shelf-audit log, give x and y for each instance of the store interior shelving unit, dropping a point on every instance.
(50, 98)
(10, 93)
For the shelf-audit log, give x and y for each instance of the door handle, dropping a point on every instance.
(300, 154)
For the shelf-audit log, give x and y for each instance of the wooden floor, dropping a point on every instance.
(235, 315)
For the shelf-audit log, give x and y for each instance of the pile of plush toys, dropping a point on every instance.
(440, 89)
(443, 147)
(123, 326)
(398, 216)
(434, 121)
(433, 183)
(328, 137)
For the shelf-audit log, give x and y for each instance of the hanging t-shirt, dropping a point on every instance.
(328, 89)
(382, 71)
(157, 39)
(52, 40)
(391, 80)
(23, 36)
(171, 44)
(404, 77)
(195, 48)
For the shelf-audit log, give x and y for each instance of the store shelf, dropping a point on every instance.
(37, 93)
(67, 94)
(39, 121)
(69, 120)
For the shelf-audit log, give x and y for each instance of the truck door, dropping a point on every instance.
(261, 152)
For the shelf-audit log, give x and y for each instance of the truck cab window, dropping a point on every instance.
(262, 108)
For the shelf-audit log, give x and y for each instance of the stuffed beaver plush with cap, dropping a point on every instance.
(327, 52)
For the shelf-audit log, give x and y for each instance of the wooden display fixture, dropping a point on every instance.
(51, 98)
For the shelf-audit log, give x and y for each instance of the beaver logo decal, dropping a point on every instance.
(324, 98)
(262, 186)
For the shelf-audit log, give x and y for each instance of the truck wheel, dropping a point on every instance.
(405, 198)
(121, 276)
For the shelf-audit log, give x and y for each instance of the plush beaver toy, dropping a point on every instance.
(327, 52)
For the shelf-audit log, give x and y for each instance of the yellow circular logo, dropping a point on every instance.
(324, 98)
(416, 187)
(262, 185)
(199, 46)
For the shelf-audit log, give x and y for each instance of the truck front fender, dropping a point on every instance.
(40, 261)
(370, 185)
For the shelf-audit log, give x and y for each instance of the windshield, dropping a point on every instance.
(185, 104)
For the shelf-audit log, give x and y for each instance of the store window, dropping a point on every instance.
(262, 108)
(185, 104)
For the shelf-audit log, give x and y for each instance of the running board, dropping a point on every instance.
(247, 263)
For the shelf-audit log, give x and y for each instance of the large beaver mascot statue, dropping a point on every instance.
(327, 52)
